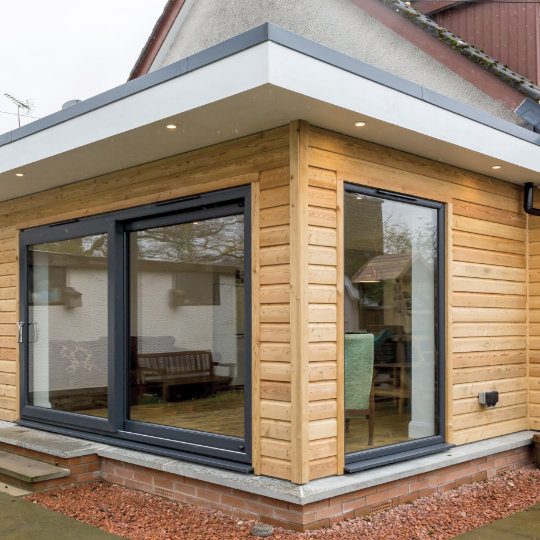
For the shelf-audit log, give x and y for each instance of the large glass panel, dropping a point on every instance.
(67, 325)
(390, 322)
(187, 325)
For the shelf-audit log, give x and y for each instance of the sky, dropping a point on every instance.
(53, 51)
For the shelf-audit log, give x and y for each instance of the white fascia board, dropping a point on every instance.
(330, 84)
(217, 81)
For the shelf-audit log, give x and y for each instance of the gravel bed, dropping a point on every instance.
(137, 515)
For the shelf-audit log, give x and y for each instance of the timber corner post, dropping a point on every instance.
(299, 302)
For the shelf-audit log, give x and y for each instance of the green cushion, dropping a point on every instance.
(358, 370)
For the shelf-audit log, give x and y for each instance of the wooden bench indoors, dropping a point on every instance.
(180, 368)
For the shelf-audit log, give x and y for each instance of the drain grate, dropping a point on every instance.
(502, 470)
(381, 507)
(162, 492)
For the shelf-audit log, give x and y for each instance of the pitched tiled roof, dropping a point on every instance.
(515, 80)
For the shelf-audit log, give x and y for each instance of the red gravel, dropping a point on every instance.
(137, 515)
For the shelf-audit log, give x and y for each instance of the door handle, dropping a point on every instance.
(35, 335)
(20, 326)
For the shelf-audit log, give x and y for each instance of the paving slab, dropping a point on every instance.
(29, 470)
(23, 520)
(522, 525)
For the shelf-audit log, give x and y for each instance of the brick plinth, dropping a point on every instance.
(319, 514)
(246, 505)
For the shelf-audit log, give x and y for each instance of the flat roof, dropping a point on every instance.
(261, 79)
(276, 34)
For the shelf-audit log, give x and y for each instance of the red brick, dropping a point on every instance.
(179, 487)
(244, 514)
(90, 458)
(410, 479)
(293, 517)
(94, 467)
(259, 508)
(143, 477)
(446, 487)
(355, 504)
(464, 480)
(217, 506)
(479, 476)
(235, 502)
(331, 511)
(341, 498)
(72, 461)
(114, 479)
(132, 484)
(195, 483)
(208, 495)
(427, 492)
(342, 517)
(164, 483)
(87, 477)
(108, 468)
(188, 499)
(377, 497)
(288, 524)
(274, 502)
(499, 462)
(60, 482)
(404, 499)
(398, 491)
(314, 506)
(77, 469)
(362, 512)
(125, 473)
(418, 486)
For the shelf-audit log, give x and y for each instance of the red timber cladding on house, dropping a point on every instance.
(507, 31)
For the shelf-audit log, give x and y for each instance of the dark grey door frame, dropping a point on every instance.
(188, 443)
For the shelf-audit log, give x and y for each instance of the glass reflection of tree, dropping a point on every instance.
(211, 241)
(90, 246)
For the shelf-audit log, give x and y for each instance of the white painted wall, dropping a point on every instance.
(82, 361)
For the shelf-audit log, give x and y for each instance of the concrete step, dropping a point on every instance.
(13, 491)
(28, 470)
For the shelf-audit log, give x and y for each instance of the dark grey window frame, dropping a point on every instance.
(209, 448)
(367, 459)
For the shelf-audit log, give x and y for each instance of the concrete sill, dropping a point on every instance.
(316, 490)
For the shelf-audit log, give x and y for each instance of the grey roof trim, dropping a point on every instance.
(251, 38)
(529, 111)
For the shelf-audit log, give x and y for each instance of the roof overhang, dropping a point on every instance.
(262, 79)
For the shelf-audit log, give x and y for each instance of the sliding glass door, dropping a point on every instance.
(393, 315)
(136, 325)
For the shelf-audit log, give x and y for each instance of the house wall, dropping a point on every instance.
(297, 174)
(338, 24)
(486, 276)
(534, 320)
(226, 165)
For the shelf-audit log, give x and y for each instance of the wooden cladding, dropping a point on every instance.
(486, 283)
(222, 166)
(297, 175)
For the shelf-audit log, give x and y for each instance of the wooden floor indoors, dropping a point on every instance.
(390, 427)
(221, 413)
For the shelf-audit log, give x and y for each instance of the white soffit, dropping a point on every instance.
(258, 88)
